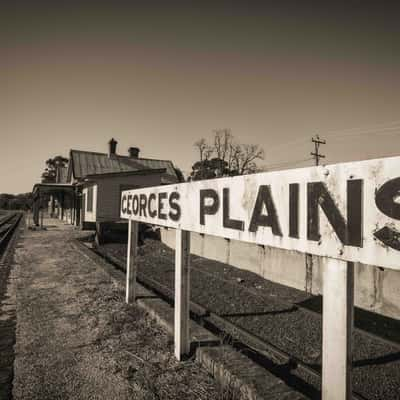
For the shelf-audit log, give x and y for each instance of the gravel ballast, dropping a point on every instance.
(272, 312)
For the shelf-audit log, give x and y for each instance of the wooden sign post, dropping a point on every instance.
(337, 329)
(131, 261)
(344, 213)
(182, 293)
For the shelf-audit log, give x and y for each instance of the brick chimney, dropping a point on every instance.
(112, 147)
(134, 152)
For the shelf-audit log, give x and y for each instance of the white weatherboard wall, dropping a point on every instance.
(109, 192)
(376, 289)
(90, 216)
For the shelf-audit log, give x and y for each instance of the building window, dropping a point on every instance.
(89, 205)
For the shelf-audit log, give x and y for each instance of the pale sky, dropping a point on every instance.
(161, 75)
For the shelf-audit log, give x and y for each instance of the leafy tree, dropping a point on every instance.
(21, 201)
(230, 159)
(179, 174)
(52, 164)
(5, 200)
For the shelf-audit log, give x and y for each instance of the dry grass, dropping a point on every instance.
(77, 338)
(142, 352)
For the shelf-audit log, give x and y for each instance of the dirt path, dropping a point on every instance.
(76, 339)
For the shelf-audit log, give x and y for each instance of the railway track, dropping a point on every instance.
(8, 225)
(300, 375)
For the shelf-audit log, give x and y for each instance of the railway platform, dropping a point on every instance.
(75, 338)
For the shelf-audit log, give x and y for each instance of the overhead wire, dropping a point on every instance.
(285, 163)
(373, 128)
(388, 129)
(382, 132)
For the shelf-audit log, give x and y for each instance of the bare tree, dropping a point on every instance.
(230, 158)
(222, 141)
(247, 154)
(205, 150)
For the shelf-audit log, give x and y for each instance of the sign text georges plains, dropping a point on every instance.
(152, 205)
(349, 211)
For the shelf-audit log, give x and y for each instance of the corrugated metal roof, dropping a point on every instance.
(88, 163)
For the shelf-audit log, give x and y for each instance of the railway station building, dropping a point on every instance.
(88, 192)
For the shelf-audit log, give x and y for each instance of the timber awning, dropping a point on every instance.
(52, 188)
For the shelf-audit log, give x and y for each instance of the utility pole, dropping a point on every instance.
(309, 259)
(317, 142)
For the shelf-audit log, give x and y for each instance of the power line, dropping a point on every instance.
(373, 128)
(285, 163)
(383, 131)
(389, 128)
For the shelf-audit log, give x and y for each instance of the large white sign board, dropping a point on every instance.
(348, 211)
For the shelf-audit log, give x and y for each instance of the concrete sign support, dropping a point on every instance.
(337, 328)
(131, 261)
(182, 293)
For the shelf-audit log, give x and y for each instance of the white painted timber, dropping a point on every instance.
(90, 216)
(337, 327)
(228, 207)
(243, 192)
(182, 293)
(131, 262)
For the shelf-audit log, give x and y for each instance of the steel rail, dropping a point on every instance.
(6, 218)
(13, 221)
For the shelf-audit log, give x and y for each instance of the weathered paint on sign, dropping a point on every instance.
(349, 211)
